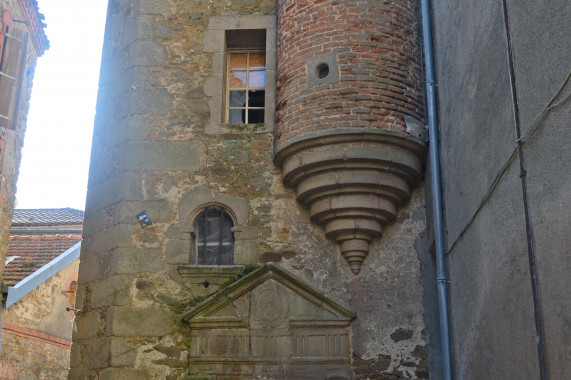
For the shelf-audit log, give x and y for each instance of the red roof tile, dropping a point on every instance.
(46, 217)
(27, 254)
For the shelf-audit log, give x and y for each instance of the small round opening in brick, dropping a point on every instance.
(322, 70)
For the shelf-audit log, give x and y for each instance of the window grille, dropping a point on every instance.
(214, 240)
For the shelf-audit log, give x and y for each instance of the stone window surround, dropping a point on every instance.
(225, 248)
(214, 41)
(197, 200)
(191, 232)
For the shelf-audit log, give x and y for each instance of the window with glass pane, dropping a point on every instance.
(12, 61)
(246, 87)
(214, 240)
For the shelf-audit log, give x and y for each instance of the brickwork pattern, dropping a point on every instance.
(378, 52)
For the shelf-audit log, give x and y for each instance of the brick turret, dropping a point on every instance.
(348, 85)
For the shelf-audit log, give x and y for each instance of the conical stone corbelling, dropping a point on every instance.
(349, 75)
(352, 183)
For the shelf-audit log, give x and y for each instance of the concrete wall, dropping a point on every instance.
(493, 327)
(152, 151)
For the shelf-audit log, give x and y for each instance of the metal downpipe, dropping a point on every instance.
(441, 277)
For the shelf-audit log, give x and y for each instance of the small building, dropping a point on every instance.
(38, 293)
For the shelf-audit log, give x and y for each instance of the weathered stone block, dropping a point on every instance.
(122, 353)
(135, 260)
(138, 28)
(158, 7)
(246, 232)
(143, 101)
(114, 237)
(94, 224)
(87, 325)
(176, 254)
(96, 352)
(271, 257)
(173, 232)
(134, 127)
(245, 252)
(146, 53)
(162, 155)
(75, 353)
(105, 191)
(78, 374)
(131, 321)
(199, 106)
(101, 193)
(111, 291)
(89, 270)
(213, 41)
(122, 374)
(242, 22)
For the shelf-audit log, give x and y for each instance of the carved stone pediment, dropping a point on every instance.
(272, 325)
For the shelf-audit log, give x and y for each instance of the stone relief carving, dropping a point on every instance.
(272, 325)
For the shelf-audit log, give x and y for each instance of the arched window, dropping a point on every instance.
(214, 237)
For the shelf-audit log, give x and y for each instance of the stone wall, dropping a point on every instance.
(152, 151)
(25, 358)
(37, 329)
(43, 309)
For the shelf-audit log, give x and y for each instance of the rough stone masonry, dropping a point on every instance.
(311, 189)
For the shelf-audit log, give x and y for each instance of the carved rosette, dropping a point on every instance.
(353, 181)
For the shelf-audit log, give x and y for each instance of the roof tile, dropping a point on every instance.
(46, 217)
(27, 254)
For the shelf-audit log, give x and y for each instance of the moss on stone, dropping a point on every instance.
(243, 128)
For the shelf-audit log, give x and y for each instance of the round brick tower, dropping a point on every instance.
(349, 101)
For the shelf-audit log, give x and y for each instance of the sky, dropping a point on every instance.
(57, 144)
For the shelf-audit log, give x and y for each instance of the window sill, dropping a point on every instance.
(213, 274)
(245, 128)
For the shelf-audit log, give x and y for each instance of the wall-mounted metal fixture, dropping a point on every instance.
(143, 219)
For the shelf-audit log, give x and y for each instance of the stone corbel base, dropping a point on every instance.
(353, 181)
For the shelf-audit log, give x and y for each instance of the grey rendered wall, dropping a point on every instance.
(493, 327)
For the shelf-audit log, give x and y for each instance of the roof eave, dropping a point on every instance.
(16, 292)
